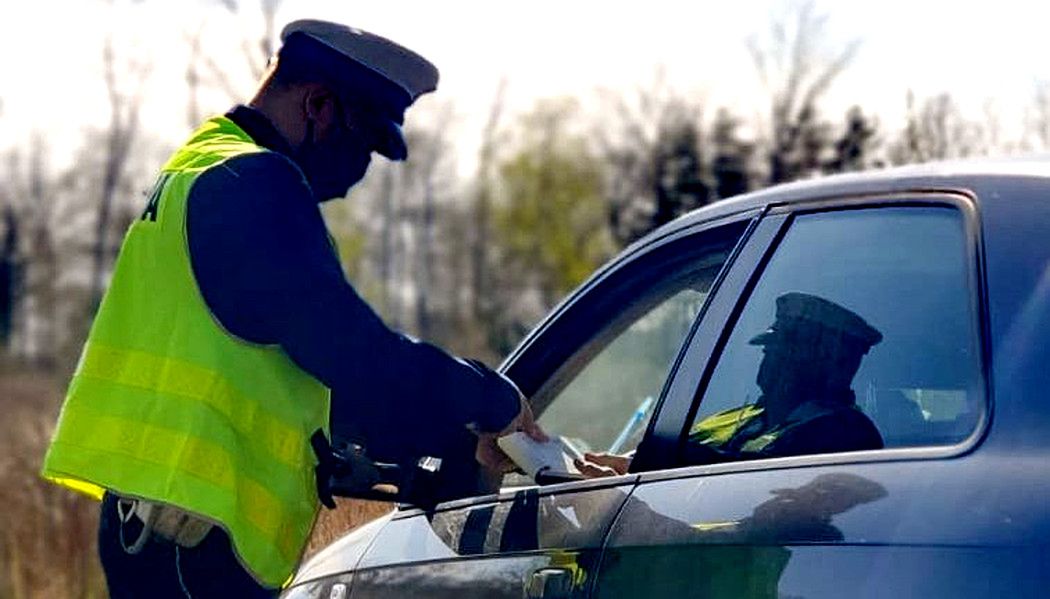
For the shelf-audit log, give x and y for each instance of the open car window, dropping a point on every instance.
(860, 334)
(602, 393)
(607, 403)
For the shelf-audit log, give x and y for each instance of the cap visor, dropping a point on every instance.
(766, 337)
(392, 145)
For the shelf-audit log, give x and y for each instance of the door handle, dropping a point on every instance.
(549, 583)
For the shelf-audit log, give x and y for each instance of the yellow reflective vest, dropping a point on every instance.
(166, 405)
(718, 429)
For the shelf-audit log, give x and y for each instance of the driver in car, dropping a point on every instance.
(811, 353)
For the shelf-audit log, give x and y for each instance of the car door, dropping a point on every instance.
(594, 371)
(924, 515)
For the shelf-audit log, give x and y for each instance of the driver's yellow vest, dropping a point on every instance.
(167, 406)
(718, 429)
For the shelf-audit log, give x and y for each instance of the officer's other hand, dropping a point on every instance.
(489, 453)
(596, 465)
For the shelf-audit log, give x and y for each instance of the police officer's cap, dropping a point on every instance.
(803, 313)
(368, 71)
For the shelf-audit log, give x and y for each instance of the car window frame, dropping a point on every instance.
(660, 442)
(687, 386)
(637, 256)
(610, 280)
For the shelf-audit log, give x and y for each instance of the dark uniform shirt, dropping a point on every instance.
(814, 427)
(262, 258)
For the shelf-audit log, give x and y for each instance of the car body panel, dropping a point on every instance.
(785, 525)
(337, 561)
(967, 519)
(492, 548)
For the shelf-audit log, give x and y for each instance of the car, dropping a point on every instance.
(949, 263)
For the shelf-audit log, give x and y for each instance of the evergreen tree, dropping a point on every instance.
(731, 157)
(852, 149)
(678, 183)
(8, 273)
(814, 150)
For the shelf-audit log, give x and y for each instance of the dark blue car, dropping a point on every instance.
(950, 264)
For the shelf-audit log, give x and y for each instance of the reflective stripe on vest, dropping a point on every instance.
(803, 414)
(720, 428)
(167, 406)
(717, 429)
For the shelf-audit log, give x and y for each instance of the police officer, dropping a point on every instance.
(227, 321)
(811, 353)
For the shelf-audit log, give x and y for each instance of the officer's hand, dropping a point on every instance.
(491, 456)
(595, 465)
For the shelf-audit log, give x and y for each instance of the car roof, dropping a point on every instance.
(960, 175)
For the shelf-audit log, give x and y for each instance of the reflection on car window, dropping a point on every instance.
(859, 335)
(603, 395)
(624, 378)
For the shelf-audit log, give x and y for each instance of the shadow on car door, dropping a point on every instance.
(534, 542)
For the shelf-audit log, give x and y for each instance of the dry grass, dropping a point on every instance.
(47, 534)
(348, 515)
(47, 547)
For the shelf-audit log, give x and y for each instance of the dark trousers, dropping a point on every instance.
(162, 569)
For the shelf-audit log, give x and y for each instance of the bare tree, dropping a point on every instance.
(481, 300)
(652, 143)
(388, 216)
(30, 251)
(120, 136)
(797, 67)
(936, 129)
(257, 52)
(193, 78)
(257, 49)
(428, 166)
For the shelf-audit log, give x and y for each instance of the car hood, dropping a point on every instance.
(344, 554)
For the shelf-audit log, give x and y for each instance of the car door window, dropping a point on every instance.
(602, 395)
(859, 334)
(608, 402)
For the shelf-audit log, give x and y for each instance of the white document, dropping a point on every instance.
(553, 458)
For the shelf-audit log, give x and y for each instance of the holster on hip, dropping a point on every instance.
(168, 522)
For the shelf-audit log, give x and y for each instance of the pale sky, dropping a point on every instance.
(50, 73)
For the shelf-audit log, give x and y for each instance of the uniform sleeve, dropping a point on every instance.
(261, 256)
